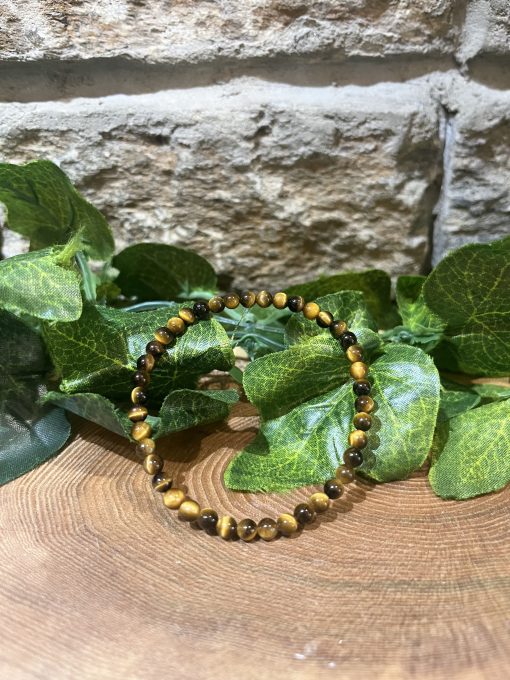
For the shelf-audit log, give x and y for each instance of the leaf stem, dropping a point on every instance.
(89, 286)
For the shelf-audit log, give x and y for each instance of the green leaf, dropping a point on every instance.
(93, 407)
(470, 291)
(259, 331)
(43, 205)
(39, 285)
(305, 445)
(489, 392)
(455, 402)
(98, 352)
(471, 452)
(155, 270)
(373, 283)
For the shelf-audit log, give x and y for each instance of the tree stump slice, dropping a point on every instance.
(101, 581)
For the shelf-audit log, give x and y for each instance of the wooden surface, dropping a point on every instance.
(99, 580)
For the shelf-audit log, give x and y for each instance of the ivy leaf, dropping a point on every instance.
(470, 291)
(305, 445)
(455, 402)
(43, 205)
(41, 285)
(93, 407)
(157, 271)
(375, 285)
(259, 331)
(98, 352)
(470, 453)
(489, 392)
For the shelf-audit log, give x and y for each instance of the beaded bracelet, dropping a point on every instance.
(207, 518)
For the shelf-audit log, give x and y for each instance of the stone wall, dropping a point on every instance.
(279, 138)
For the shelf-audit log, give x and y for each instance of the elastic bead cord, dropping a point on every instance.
(208, 519)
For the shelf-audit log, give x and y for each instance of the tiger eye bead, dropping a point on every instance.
(226, 527)
(164, 336)
(231, 300)
(358, 370)
(248, 299)
(146, 447)
(347, 339)
(364, 403)
(186, 314)
(189, 510)
(345, 474)
(152, 464)
(353, 457)
(207, 520)
(161, 482)
(319, 502)
(146, 363)
(354, 353)
(280, 300)
(361, 387)
(173, 498)
(304, 513)
(287, 524)
(333, 488)
(155, 348)
(247, 530)
(296, 303)
(201, 310)
(358, 439)
(216, 304)
(138, 396)
(267, 529)
(141, 378)
(264, 299)
(311, 311)
(137, 413)
(362, 421)
(176, 325)
(337, 329)
(324, 319)
(141, 430)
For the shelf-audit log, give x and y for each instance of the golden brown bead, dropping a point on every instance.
(362, 421)
(216, 304)
(364, 403)
(345, 474)
(358, 439)
(226, 527)
(141, 430)
(247, 530)
(264, 298)
(161, 482)
(189, 510)
(173, 498)
(358, 370)
(176, 325)
(296, 303)
(319, 502)
(146, 363)
(207, 520)
(164, 336)
(248, 299)
(145, 447)
(311, 310)
(324, 319)
(304, 513)
(267, 529)
(333, 488)
(137, 413)
(186, 314)
(287, 524)
(354, 353)
(280, 300)
(231, 300)
(152, 464)
(138, 396)
(337, 329)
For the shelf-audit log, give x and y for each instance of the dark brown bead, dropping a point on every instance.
(248, 299)
(152, 464)
(333, 488)
(146, 362)
(337, 329)
(161, 482)
(280, 300)
(324, 319)
(354, 353)
(361, 387)
(362, 421)
(226, 527)
(231, 300)
(247, 530)
(201, 310)
(207, 520)
(347, 339)
(137, 413)
(141, 378)
(353, 457)
(155, 348)
(138, 396)
(186, 314)
(345, 474)
(216, 304)
(358, 439)
(264, 299)
(304, 513)
(164, 336)
(364, 403)
(267, 529)
(296, 303)
(176, 325)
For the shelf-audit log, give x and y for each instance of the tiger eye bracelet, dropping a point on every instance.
(207, 518)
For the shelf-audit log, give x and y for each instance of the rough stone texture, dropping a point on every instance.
(273, 183)
(201, 30)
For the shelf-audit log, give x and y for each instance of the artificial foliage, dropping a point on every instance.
(74, 317)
